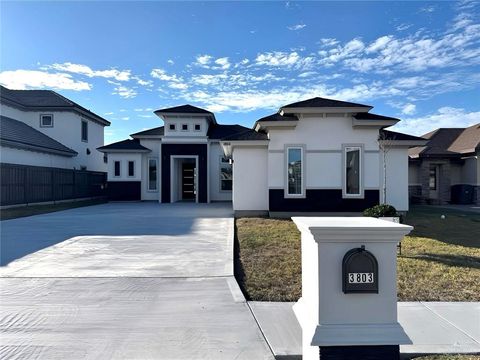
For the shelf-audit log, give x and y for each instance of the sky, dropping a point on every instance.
(418, 61)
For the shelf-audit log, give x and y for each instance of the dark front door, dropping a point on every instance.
(188, 181)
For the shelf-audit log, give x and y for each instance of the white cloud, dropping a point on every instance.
(125, 118)
(108, 113)
(328, 42)
(284, 59)
(223, 63)
(34, 79)
(119, 75)
(143, 82)
(445, 117)
(162, 75)
(409, 109)
(403, 27)
(145, 116)
(125, 92)
(379, 44)
(296, 27)
(203, 60)
(178, 86)
(170, 61)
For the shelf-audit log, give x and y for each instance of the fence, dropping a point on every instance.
(23, 184)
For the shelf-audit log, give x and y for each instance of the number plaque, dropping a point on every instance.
(359, 272)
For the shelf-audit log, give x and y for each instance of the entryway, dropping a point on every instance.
(184, 178)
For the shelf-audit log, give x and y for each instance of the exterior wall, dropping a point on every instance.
(250, 186)
(397, 178)
(191, 121)
(124, 158)
(216, 153)
(23, 157)
(155, 146)
(469, 173)
(66, 129)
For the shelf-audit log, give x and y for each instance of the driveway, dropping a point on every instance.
(124, 281)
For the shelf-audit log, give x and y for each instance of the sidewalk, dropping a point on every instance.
(433, 327)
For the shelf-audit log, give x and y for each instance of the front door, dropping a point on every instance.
(188, 181)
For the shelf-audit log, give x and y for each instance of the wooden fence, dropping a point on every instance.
(23, 184)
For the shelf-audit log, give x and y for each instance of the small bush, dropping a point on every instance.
(380, 211)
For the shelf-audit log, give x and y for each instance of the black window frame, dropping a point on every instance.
(41, 120)
(115, 168)
(84, 131)
(131, 168)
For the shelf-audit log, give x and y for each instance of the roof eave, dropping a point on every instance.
(123, 150)
(372, 122)
(283, 124)
(407, 143)
(30, 147)
(321, 110)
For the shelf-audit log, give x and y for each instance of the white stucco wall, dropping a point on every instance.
(250, 186)
(397, 178)
(66, 129)
(216, 194)
(190, 121)
(23, 157)
(155, 146)
(124, 158)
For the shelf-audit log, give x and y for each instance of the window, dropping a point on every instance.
(131, 168)
(46, 120)
(295, 165)
(116, 168)
(197, 127)
(172, 127)
(105, 158)
(226, 174)
(184, 127)
(84, 131)
(152, 174)
(353, 184)
(432, 181)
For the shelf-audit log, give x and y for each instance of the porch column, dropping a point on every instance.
(348, 308)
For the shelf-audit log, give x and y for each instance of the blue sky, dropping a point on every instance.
(419, 61)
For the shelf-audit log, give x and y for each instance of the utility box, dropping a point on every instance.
(348, 308)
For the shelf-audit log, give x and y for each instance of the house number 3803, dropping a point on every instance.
(360, 278)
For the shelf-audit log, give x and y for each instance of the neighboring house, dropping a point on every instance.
(58, 118)
(48, 148)
(447, 169)
(317, 155)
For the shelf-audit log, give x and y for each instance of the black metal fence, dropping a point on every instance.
(23, 184)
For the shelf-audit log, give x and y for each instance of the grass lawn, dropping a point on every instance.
(23, 211)
(440, 261)
(449, 357)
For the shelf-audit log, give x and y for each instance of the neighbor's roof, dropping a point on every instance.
(158, 131)
(45, 100)
(14, 133)
(449, 142)
(184, 109)
(322, 102)
(126, 145)
(392, 135)
(233, 132)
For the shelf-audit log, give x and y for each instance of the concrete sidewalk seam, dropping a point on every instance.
(260, 328)
(449, 322)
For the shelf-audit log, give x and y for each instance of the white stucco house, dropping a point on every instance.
(43, 128)
(317, 155)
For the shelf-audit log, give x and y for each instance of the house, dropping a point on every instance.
(48, 148)
(46, 114)
(447, 169)
(318, 155)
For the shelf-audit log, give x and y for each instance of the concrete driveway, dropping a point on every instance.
(124, 281)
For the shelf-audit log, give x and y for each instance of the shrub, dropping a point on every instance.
(380, 211)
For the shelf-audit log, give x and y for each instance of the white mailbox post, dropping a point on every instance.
(348, 308)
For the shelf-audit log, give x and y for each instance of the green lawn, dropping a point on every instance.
(13, 213)
(449, 357)
(440, 261)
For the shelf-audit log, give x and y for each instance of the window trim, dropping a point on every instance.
(435, 170)
(41, 121)
(170, 127)
(81, 131)
(361, 194)
(148, 175)
(182, 129)
(199, 127)
(128, 168)
(119, 168)
(302, 195)
(220, 175)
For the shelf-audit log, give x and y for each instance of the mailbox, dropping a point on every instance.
(359, 272)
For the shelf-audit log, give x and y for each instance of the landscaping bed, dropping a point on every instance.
(440, 261)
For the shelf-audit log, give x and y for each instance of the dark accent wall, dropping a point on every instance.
(24, 184)
(321, 200)
(369, 352)
(185, 149)
(124, 190)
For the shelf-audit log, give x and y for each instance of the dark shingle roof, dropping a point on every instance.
(278, 117)
(184, 109)
(322, 102)
(438, 145)
(467, 141)
(130, 145)
(370, 116)
(233, 132)
(392, 135)
(17, 134)
(44, 99)
(158, 131)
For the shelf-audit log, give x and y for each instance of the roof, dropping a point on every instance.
(234, 132)
(184, 109)
(392, 135)
(370, 116)
(322, 102)
(468, 141)
(125, 145)
(45, 100)
(17, 134)
(448, 142)
(278, 117)
(158, 131)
